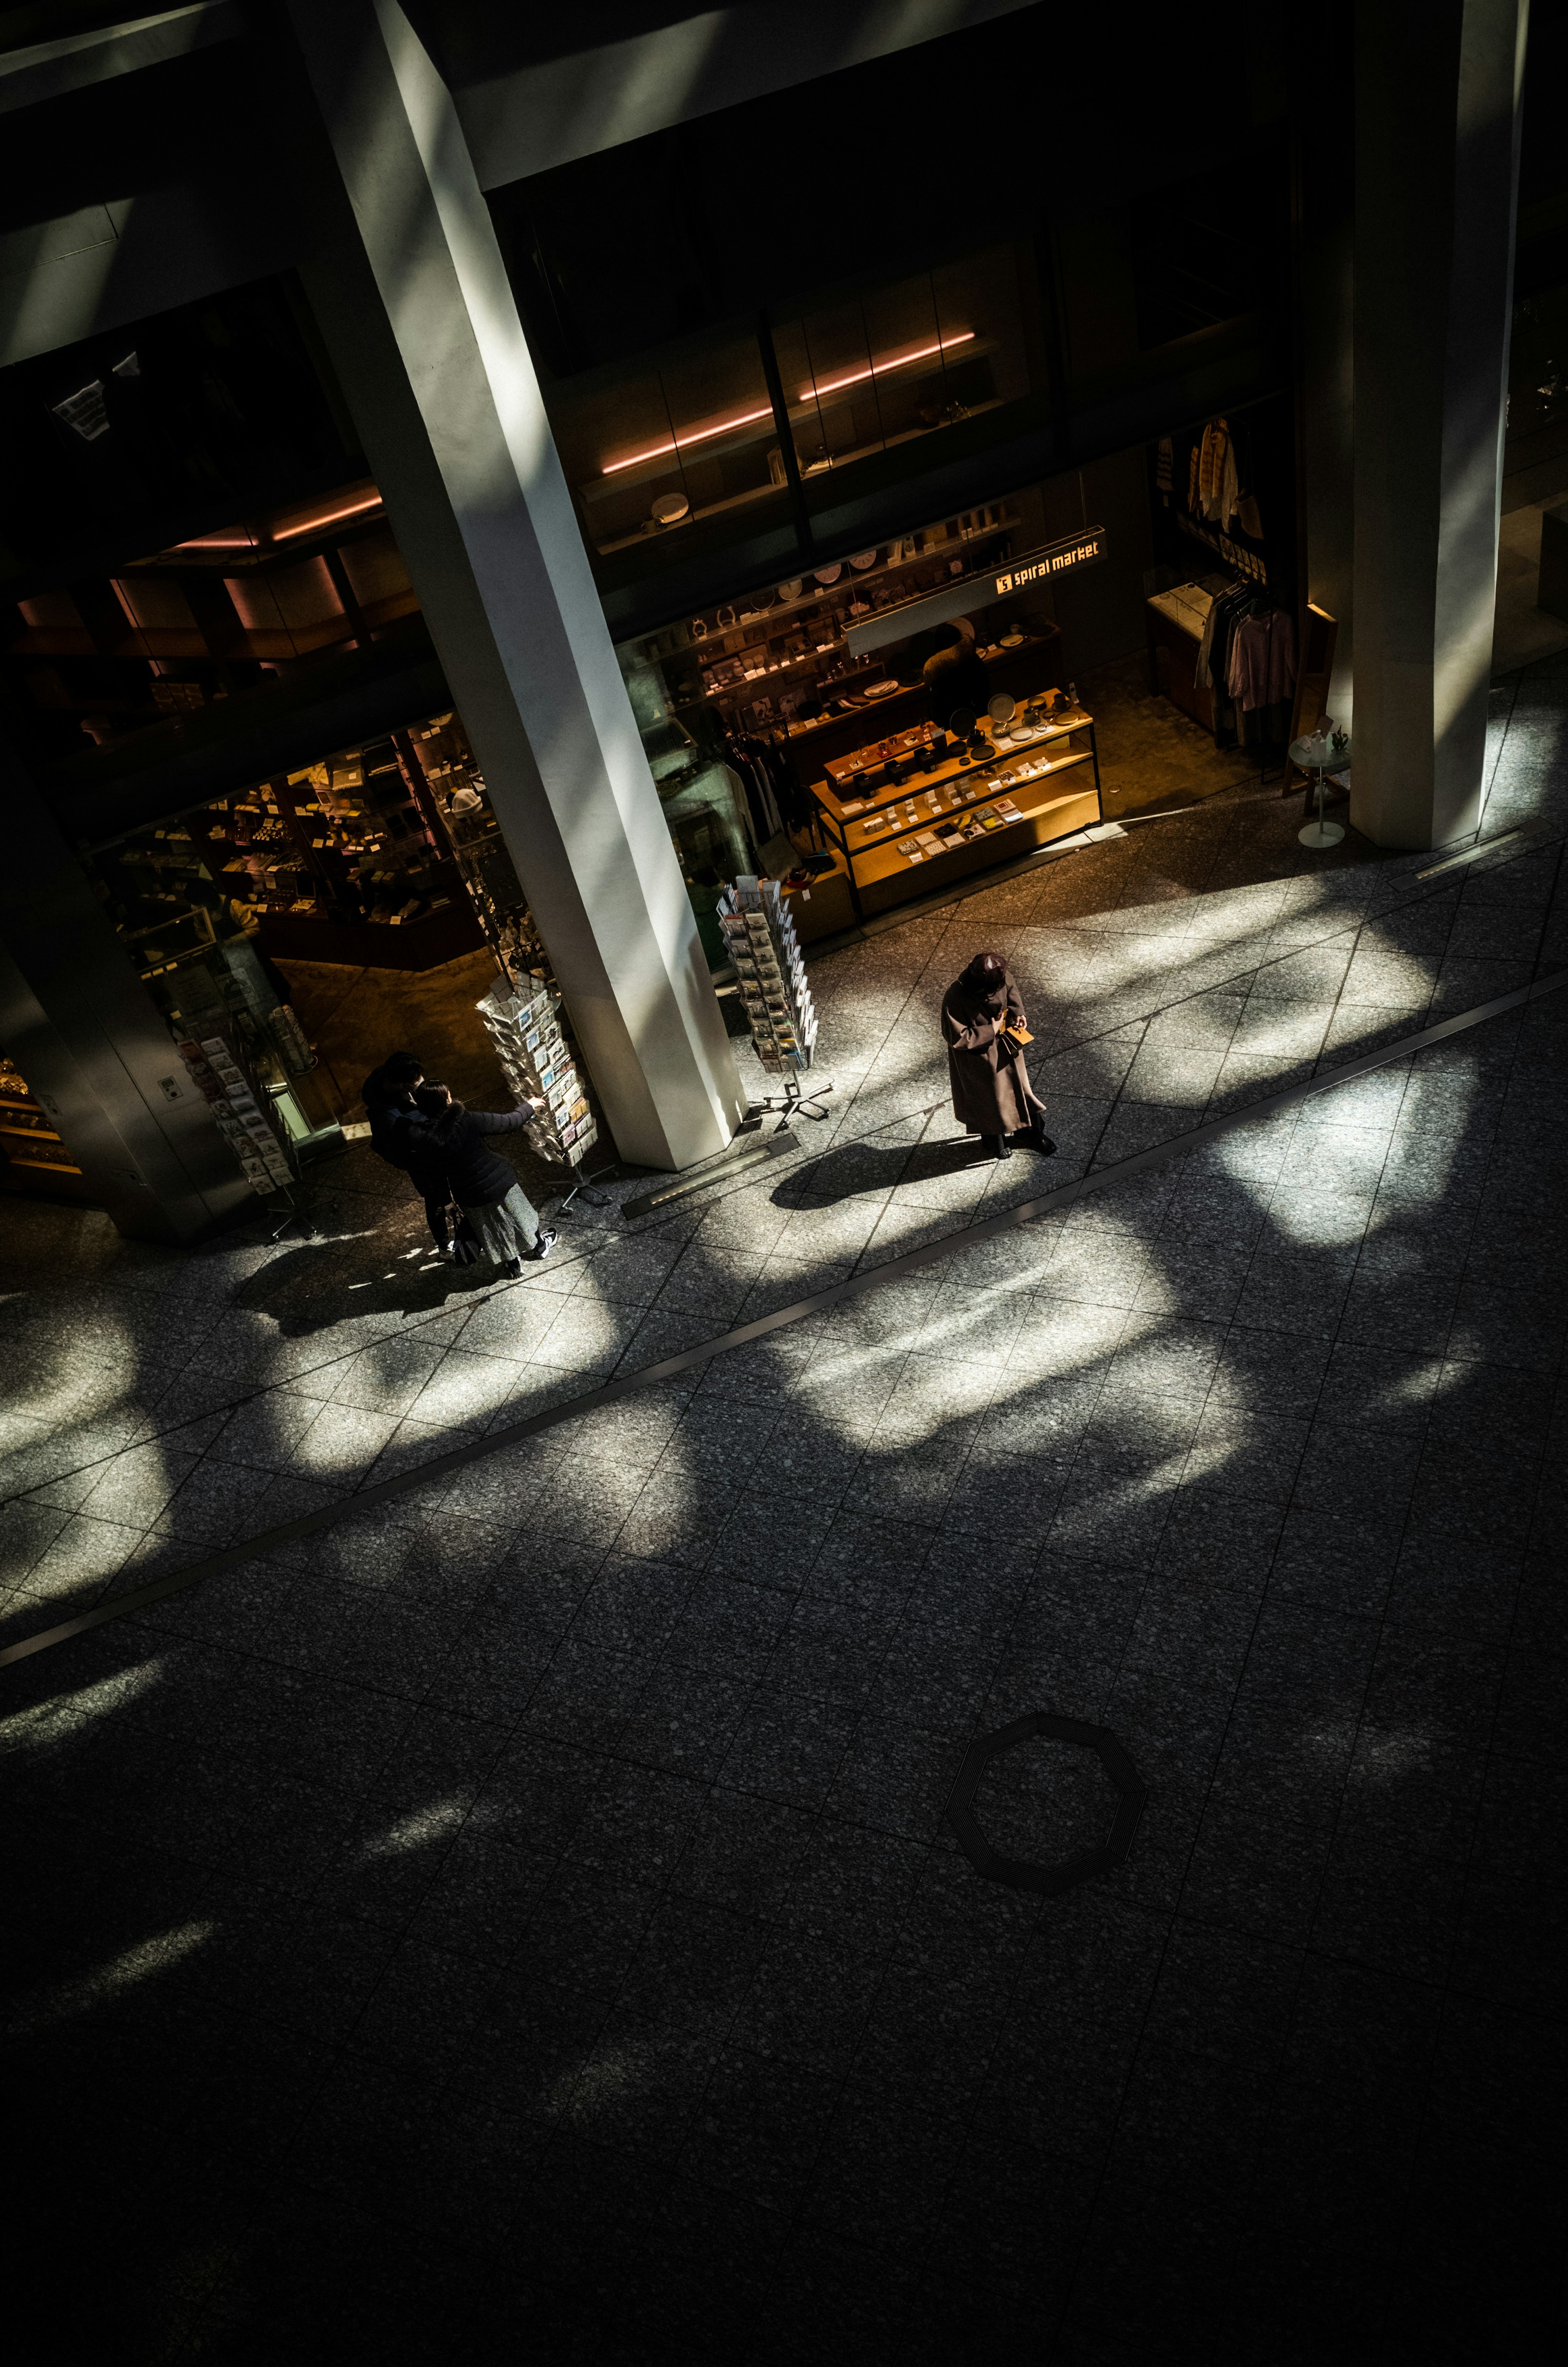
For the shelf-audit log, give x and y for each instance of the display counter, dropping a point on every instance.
(1021, 663)
(918, 807)
(1174, 622)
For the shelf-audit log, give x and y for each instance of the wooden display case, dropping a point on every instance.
(965, 808)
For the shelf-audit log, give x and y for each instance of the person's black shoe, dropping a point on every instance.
(1000, 1146)
(541, 1248)
(1035, 1139)
(513, 1269)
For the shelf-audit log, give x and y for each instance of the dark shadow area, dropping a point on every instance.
(523, 1918)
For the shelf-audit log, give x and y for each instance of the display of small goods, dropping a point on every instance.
(242, 1109)
(28, 1134)
(456, 787)
(927, 791)
(385, 833)
(759, 934)
(778, 653)
(524, 1024)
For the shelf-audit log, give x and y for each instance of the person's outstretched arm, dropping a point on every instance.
(503, 1121)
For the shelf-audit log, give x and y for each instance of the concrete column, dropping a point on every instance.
(1438, 105)
(1324, 134)
(412, 296)
(92, 1045)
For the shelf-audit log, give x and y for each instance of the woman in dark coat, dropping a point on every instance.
(452, 1140)
(981, 1015)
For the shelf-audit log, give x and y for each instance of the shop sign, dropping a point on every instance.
(969, 591)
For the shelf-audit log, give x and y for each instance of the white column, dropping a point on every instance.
(1438, 105)
(413, 298)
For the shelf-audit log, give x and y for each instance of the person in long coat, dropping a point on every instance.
(992, 1096)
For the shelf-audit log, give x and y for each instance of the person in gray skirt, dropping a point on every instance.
(483, 1186)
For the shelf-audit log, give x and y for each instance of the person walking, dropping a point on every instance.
(985, 1033)
(452, 1141)
(388, 1095)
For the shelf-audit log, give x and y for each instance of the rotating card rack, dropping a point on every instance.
(759, 934)
(523, 1024)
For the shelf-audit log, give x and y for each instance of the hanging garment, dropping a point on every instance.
(1262, 667)
(1194, 469)
(1214, 648)
(1218, 486)
(1164, 464)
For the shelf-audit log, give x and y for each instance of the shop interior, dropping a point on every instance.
(332, 911)
(947, 702)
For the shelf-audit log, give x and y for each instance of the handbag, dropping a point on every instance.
(466, 1246)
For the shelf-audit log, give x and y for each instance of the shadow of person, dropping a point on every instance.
(854, 1167)
(319, 1285)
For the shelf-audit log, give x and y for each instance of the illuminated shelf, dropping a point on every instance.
(961, 783)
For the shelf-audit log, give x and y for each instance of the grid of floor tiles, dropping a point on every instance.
(523, 1918)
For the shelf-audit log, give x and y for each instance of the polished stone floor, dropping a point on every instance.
(521, 1921)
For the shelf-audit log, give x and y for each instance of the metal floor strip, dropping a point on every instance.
(457, 1458)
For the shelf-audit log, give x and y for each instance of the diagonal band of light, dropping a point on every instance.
(1511, 844)
(439, 1466)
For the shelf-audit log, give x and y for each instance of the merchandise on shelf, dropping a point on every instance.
(523, 1024)
(759, 933)
(28, 1136)
(241, 1110)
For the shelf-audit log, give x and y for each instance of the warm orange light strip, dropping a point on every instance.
(679, 443)
(283, 533)
(895, 361)
(745, 418)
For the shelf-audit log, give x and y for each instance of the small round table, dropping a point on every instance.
(1315, 756)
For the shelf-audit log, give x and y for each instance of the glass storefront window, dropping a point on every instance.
(660, 448)
(32, 1151)
(901, 360)
(222, 617)
(387, 855)
(692, 438)
(1538, 362)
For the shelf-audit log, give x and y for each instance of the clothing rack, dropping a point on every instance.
(1234, 661)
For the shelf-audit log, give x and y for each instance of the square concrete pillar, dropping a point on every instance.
(412, 300)
(1437, 94)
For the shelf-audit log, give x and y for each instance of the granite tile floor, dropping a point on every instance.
(520, 1921)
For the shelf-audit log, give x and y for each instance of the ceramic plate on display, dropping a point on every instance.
(1001, 710)
(830, 575)
(861, 560)
(880, 689)
(670, 508)
(1012, 641)
(790, 591)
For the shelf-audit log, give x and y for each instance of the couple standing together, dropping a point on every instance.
(441, 1148)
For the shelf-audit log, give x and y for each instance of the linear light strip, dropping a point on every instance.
(310, 525)
(681, 442)
(457, 1458)
(895, 361)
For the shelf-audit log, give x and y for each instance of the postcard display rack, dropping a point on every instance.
(241, 1108)
(760, 936)
(925, 796)
(523, 1024)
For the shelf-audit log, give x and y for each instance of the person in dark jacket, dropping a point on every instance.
(954, 676)
(388, 1095)
(483, 1186)
(983, 1017)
